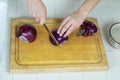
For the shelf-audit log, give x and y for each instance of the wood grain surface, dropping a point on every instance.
(77, 54)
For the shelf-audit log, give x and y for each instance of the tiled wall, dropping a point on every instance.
(62, 8)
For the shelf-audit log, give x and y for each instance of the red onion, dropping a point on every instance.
(87, 28)
(27, 33)
(60, 39)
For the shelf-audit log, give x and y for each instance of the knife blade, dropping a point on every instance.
(51, 35)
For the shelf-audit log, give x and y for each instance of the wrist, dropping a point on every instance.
(83, 12)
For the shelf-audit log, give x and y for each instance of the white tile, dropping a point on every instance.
(109, 2)
(12, 0)
(78, 1)
(24, 77)
(113, 75)
(107, 11)
(49, 76)
(48, 1)
(94, 75)
(5, 76)
(22, 10)
(3, 0)
(50, 9)
(113, 58)
(4, 62)
(12, 9)
(72, 76)
(61, 76)
(103, 2)
(3, 20)
(64, 2)
(22, 1)
(7, 32)
(63, 10)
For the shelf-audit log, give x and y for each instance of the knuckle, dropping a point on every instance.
(73, 21)
(68, 17)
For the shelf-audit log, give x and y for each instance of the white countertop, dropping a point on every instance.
(106, 14)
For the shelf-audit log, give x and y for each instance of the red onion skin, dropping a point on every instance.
(60, 39)
(28, 31)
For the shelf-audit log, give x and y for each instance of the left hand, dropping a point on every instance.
(71, 23)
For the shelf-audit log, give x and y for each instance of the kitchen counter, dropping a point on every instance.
(107, 12)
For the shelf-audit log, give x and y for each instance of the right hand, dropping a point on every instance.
(37, 9)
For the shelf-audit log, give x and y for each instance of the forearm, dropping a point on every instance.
(87, 6)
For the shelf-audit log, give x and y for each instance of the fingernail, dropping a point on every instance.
(42, 22)
(57, 32)
(60, 34)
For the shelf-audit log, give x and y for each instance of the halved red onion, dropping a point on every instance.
(60, 39)
(27, 33)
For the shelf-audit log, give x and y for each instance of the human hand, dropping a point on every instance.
(71, 23)
(37, 9)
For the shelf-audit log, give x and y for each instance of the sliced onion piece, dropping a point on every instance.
(87, 28)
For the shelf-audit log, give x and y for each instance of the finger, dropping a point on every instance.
(43, 19)
(63, 23)
(69, 30)
(30, 12)
(38, 14)
(65, 28)
(37, 19)
(34, 15)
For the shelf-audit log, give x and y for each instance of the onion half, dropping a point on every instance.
(60, 39)
(27, 33)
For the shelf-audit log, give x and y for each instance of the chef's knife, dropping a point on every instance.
(51, 35)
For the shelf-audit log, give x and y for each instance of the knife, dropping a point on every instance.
(51, 35)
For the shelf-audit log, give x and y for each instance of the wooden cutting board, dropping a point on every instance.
(78, 54)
